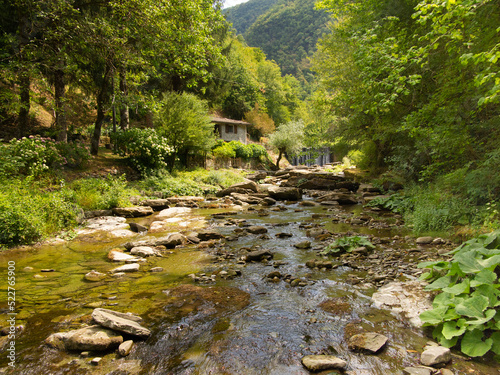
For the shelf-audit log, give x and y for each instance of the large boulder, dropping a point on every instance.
(156, 204)
(284, 193)
(257, 255)
(136, 211)
(435, 355)
(341, 198)
(115, 320)
(173, 212)
(93, 338)
(243, 188)
(208, 235)
(171, 241)
(246, 198)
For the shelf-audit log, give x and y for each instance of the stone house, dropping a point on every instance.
(231, 130)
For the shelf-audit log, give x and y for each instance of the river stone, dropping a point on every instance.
(94, 276)
(435, 355)
(95, 361)
(136, 211)
(143, 251)
(256, 229)
(257, 255)
(127, 323)
(125, 348)
(246, 198)
(106, 223)
(97, 213)
(268, 201)
(188, 199)
(119, 256)
(424, 240)
(284, 193)
(308, 204)
(323, 362)
(209, 235)
(137, 228)
(303, 245)
(156, 204)
(170, 241)
(133, 267)
(416, 371)
(94, 338)
(173, 211)
(242, 187)
(406, 298)
(369, 341)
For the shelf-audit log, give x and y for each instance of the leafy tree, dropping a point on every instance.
(262, 123)
(182, 119)
(288, 139)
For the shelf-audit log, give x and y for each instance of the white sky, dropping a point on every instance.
(230, 3)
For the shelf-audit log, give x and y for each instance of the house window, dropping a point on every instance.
(232, 129)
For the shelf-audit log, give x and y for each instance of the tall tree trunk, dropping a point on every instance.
(124, 110)
(60, 98)
(280, 155)
(24, 120)
(102, 101)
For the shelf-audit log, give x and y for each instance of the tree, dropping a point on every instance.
(288, 139)
(183, 120)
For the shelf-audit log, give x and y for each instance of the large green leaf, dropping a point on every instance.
(486, 276)
(496, 342)
(463, 287)
(468, 262)
(490, 263)
(434, 316)
(489, 291)
(452, 329)
(473, 344)
(473, 307)
(489, 314)
(440, 283)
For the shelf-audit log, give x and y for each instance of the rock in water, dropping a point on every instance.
(126, 268)
(323, 362)
(125, 348)
(435, 355)
(127, 323)
(369, 341)
(94, 276)
(93, 338)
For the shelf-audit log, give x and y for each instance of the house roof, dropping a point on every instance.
(222, 120)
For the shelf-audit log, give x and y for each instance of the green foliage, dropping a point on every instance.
(28, 212)
(466, 310)
(35, 156)
(199, 182)
(347, 244)
(242, 16)
(236, 149)
(182, 119)
(145, 149)
(101, 193)
(288, 139)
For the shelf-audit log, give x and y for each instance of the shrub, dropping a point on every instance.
(225, 151)
(145, 148)
(466, 310)
(347, 244)
(100, 194)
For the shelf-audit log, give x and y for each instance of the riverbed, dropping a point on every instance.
(209, 311)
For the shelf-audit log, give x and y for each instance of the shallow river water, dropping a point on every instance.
(246, 325)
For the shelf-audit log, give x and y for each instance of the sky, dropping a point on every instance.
(230, 3)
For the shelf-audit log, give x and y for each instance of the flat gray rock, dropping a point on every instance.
(134, 267)
(93, 338)
(120, 322)
(323, 362)
(143, 251)
(435, 355)
(369, 341)
(136, 211)
(119, 256)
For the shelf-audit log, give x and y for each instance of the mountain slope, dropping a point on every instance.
(287, 32)
(242, 16)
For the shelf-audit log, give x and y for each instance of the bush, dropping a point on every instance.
(101, 194)
(236, 149)
(347, 244)
(145, 148)
(35, 156)
(30, 212)
(225, 151)
(466, 310)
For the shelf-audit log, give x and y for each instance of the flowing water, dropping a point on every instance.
(247, 325)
